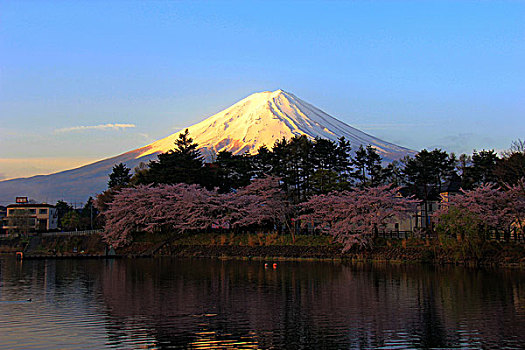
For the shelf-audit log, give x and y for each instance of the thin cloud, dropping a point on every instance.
(95, 127)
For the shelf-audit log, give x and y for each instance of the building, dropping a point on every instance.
(26, 218)
(423, 215)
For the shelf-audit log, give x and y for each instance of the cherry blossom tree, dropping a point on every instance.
(487, 205)
(516, 203)
(262, 203)
(471, 215)
(353, 217)
(148, 208)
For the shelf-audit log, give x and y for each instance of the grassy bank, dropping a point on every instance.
(278, 247)
(8, 246)
(249, 246)
(53, 246)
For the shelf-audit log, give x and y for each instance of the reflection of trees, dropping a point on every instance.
(232, 304)
(46, 277)
(481, 300)
(185, 302)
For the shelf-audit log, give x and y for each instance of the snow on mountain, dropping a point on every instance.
(259, 119)
(262, 118)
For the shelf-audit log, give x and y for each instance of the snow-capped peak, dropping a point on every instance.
(259, 119)
(265, 117)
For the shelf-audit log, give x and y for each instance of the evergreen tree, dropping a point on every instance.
(262, 162)
(280, 163)
(367, 167)
(359, 166)
(325, 181)
(343, 157)
(426, 171)
(140, 174)
(232, 171)
(511, 168)
(88, 215)
(62, 209)
(292, 161)
(445, 166)
(184, 164)
(430, 168)
(393, 174)
(373, 166)
(464, 163)
(71, 221)
(325, 154)
(480, 170)
(327, 158)
(301, 155)
(120, 176)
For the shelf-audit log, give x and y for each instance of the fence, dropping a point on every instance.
(71, 233)
(398, 234)
(512, 235)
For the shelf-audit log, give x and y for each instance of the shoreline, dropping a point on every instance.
(210, 246)
(373, 256)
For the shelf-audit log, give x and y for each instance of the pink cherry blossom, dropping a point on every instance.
(352, 217)
(148, 208)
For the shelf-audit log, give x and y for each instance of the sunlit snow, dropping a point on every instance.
(264, 117)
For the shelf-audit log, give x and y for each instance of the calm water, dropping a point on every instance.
(200, 304)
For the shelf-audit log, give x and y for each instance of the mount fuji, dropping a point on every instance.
(259, 119)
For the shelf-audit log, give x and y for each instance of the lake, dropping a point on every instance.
(215, 304)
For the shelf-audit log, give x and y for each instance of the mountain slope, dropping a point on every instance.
(262, 118)
(73, 186)
(259, 119)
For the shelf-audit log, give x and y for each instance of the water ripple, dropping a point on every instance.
(206, 304)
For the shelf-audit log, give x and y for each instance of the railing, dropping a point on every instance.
(71, 233)
(398, 234)
(512, 235)
(509, 236)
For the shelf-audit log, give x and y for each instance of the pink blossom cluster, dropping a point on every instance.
(148, 208)
(182, 207)
(493, 206)
(262, 202)
(352, 217)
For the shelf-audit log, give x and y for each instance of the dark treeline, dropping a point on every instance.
(309, 167)
(71, 219)
(322, 186)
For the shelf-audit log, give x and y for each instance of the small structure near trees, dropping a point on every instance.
(26, 218)
(355, 217)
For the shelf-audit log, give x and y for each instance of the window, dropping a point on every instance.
(32, 211)
(42, 211)
(18, 212)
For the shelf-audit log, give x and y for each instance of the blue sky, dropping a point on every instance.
(81, 81)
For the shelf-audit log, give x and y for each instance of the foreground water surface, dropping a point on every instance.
(201, 304)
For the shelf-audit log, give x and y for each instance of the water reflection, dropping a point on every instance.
(199, 304)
